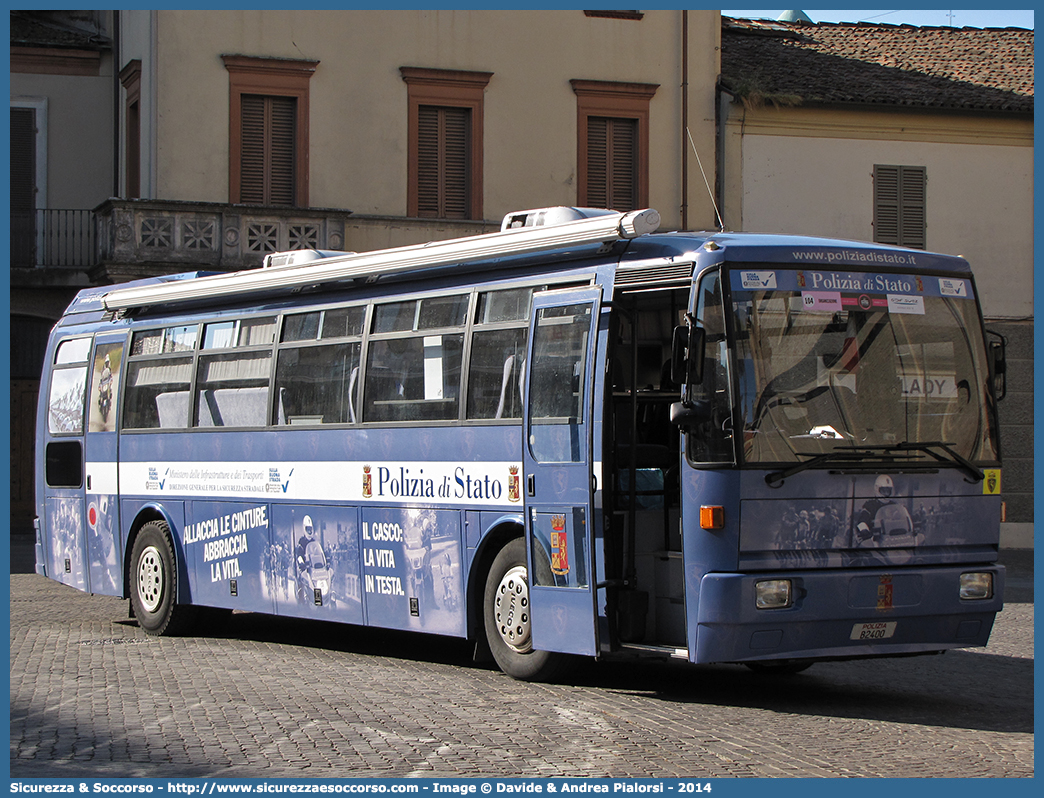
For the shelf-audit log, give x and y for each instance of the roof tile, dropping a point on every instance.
(980, 69)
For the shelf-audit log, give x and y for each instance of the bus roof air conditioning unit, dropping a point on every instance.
(545, 217)
(582, 230)
(298, 257)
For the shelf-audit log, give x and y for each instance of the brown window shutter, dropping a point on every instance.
(268, 154)
(612, 163)
(457, 201)
(624, 163)
(252, 160)
(428, 161)
(444, 155)
(597, 162)
(283, 155)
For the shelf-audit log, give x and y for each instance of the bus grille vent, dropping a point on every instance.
(680, 273)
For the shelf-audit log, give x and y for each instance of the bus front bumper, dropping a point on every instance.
(843, 614)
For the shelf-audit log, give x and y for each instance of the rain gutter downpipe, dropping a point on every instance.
(685, 121)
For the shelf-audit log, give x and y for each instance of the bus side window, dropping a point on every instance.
(158, 394)
(64, 466)
(413, 363)
(495, 374)
(498, 350)
(711, 442)
(319, 383)
(232, 387)
(232, 390)
(159, 378)
(65, 402)
(558, 383)
(68, 384)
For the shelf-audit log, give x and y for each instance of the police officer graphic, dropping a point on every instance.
(882, 521)
(313, 570)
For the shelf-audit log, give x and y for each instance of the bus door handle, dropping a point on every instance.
(531, 484)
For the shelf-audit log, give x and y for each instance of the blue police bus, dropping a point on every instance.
(574, 436)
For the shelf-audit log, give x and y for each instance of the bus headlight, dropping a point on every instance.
(773, 594)
(976, 586)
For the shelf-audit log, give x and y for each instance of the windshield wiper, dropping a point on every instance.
(880, 453)
(928, 448)
(845, 455)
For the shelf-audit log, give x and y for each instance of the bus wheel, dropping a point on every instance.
(508, 620)
(153, 583)
(779, 667)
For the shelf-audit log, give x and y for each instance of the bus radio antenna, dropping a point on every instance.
(721, 224)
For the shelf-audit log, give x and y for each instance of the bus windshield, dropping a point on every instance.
(829, 361)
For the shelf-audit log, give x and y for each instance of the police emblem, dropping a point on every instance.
(513, 492)
(559, 546)
(884, 593)
(367, 485)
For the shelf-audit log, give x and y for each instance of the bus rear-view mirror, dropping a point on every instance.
(998, 364)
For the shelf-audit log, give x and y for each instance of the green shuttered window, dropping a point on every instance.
(900, 202)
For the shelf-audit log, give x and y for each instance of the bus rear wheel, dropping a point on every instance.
(508, 620)
(153, 583)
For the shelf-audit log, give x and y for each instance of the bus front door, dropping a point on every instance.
(557, 463)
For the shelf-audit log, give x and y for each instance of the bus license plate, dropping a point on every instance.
(873, 631)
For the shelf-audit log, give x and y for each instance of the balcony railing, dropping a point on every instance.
(53, 237)
(127, 239)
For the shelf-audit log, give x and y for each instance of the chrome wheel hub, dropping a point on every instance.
(511, 610)
(150, 579)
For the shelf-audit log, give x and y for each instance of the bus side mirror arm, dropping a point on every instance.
(687, 354)
(687, 415)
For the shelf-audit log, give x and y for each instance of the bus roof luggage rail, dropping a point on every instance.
(370, 266)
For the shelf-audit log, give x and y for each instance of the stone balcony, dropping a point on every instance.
(144, 238)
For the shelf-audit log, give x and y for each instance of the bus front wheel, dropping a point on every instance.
(154, 582)
(508, 620)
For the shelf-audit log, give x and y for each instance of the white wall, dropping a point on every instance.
(979, 203)
(79, 171)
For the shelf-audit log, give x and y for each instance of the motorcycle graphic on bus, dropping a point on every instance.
(314, 574)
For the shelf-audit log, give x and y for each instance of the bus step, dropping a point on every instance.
(657, 651)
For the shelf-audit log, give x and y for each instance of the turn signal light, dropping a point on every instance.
(712, 517)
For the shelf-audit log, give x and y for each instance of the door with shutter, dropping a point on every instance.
(612, 163)
(23, 187)
(444, 156)
(268, 155)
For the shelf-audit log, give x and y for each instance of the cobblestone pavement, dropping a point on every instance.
(92, 695)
